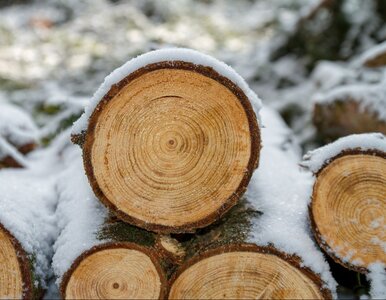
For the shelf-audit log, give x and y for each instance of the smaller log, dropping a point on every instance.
(125, 265)
(375, 57)
(350, 110)
(348, 204)
(16, 276)
(223, 262)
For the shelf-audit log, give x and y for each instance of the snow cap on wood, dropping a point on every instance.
(161, 55)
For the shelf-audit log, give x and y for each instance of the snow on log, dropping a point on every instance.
(170, 140)
(348, 204)
(97, 255)
(351, 109)
(18, 136)
(262, 247)
(374, 57)
(26, 233)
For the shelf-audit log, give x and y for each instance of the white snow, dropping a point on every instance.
(314, 160)
(16, 129)
(79, 215)
(377, 278)
(28, 201)
(167, 54)
(371, 97)
(281, 190)
(372, 53)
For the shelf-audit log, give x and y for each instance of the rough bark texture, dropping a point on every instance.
(31, 290)
(341, 118)
(10, 162)
(86, 140)
(316, 232)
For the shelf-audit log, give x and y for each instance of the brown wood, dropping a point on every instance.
(124, 266)
(10, 162)
(170, 248)
(348, 208)
(246, 271)
(15, 269)
(171, 147)
(115, 271)
(222, 262)
(376, 61)
(341, 118)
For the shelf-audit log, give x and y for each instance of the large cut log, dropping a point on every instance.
(170, 140)
(18, 136)
(349, 110)
(97, 255)
(261, 248)
(348, 204)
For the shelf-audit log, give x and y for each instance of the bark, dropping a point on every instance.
(10, 162)
(342, 118)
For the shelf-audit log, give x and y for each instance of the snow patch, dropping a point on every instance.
(371, 97)
(372, 53)
(167, 54)
(377, 278)
(281, 191)
(79, 215)
(314, 160)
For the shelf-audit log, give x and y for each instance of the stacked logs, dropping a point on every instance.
(169, 145)
(348, 204)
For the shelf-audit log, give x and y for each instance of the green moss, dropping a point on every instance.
(233, 228)
(120, 231)
(36, 285)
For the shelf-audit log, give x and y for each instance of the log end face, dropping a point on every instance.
(348, 210)
(172, 148)
(117, 271)
(240, 274)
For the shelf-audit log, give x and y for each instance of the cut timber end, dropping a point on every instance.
(115, 271)
(172, 147)
(246, 272)
(348, 209)
(341, 118)
(170, 248)
(15, 279)
(376, 61)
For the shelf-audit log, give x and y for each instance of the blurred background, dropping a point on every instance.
(55, 53)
